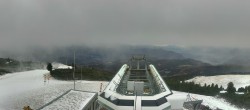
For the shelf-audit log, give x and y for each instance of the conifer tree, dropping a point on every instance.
(230, 88)
(49, 67)
(221, 88)
(216, 86)
(241, 89)
(212, 85)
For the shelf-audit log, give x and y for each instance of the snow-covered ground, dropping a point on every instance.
(238, 80)
(212, 102)
(73, 100)
(28, 88)
(60, 66)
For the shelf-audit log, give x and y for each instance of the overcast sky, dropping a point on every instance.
(219, 23)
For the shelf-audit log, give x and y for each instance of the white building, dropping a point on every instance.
(137, 86)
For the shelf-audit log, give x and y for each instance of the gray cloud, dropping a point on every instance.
(222, 23)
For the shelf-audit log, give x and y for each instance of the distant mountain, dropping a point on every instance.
(170, 60)
(241, 59)
(210, 70)
(215, 56)
(169, 67)
(91, 55)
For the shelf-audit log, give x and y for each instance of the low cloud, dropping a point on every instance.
(46, 23)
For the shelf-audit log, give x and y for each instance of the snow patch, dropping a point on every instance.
(222, 80)
(60, 66)
(222, 92)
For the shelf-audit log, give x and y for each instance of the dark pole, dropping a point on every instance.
(74, 71)
(81, 72)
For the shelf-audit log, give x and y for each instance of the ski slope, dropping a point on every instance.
(222, 80)
(28, 88)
